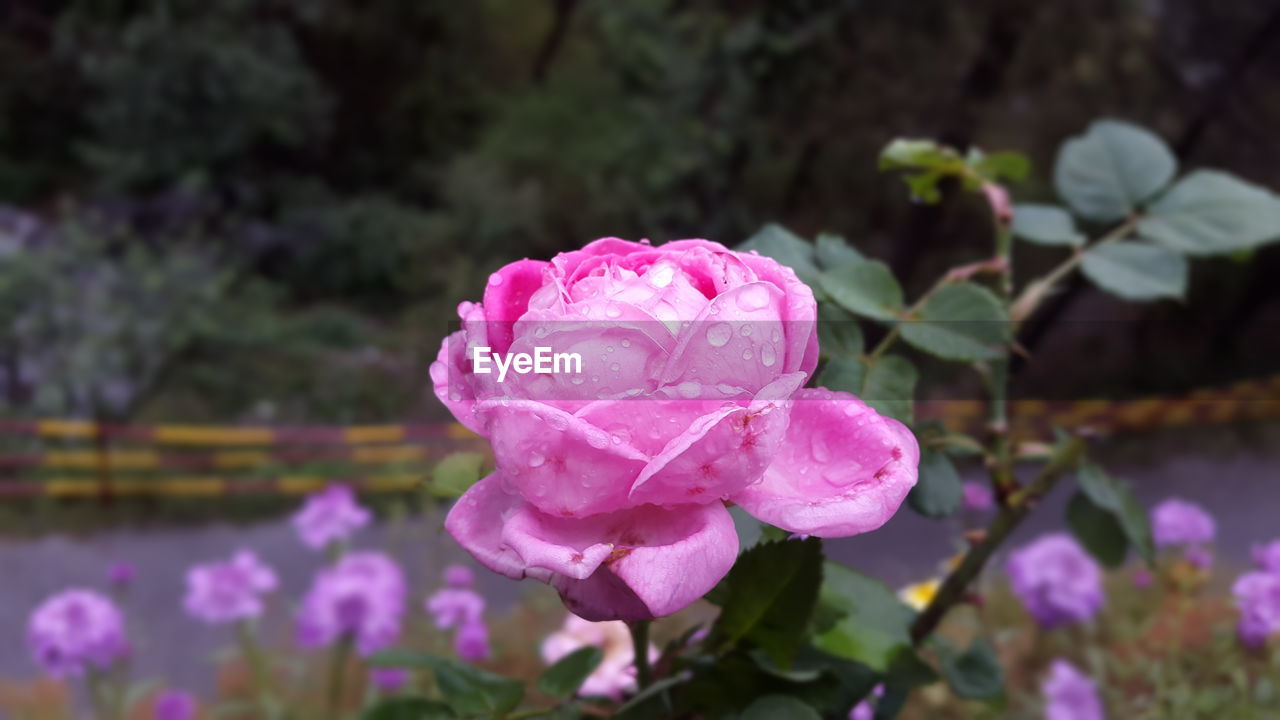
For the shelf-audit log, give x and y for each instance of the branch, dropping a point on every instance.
(1010, 516)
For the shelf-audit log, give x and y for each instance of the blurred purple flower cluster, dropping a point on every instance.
(361, 598)
(358, 596)
(1057, 581)
(1069, 694)
(77, 631)
(1179, 524)
(228, 591)
(330, 516)
(1257, 595)
(458, 606)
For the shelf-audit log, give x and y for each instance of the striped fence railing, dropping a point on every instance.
(84, 459)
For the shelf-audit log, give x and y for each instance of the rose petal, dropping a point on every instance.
(800, 312)
(721, 452)
(842, 470)
(739, 338)
(476, 522)
(663, 561)
(451, 374)
(559, 462)
(506, 298)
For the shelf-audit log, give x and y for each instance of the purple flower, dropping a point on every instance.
(1178, 522)
(1199, 557)
(866, 710)
(230, 590)
(472, 641)
(1056, 580)
(1257, 596)
(977, 496)
(328, 516)
(389, 680)
(1267, 557)
(174, 705)
(1069, 694)
(459, 576)
(362, 596)
(1142, 578)
(454, 607)
(76, 630)
(121, 574)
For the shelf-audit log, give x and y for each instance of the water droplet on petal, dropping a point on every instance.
(540, 332)
(818, 445)
(536, 459)
(495, 279)
(753, 297)
(661, 275)
(689, 389)
(609, 349)
(612, 310)
(577, 379)
(768, 356)
(745, 331)
(747, 354)
(718, 335)
(626, 342)
(615, 367)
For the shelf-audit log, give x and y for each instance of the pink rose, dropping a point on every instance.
(611, 482)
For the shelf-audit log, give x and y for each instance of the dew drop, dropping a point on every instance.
(747, 354)
(577, 379)
(612, 311)
(495, 279)
(609, 349)
(661, 275)
(768, 356)
(753, 297)
(626, 342)
(615, 367)
(536, 459)
(818, 446)
(689, 389)
(718, 335)
(540, 332)
(745, 331)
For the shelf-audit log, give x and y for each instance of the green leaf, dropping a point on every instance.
(750, 530)
(771, 593)
(408, 708)
(1045, 225)
(468, 690)
(848, 374)
(962, 321)
(456, 473)
(838, 332)
(1136, 271)
(1105, 173)
(1213, 213)
(865, 287)
(565, 677)
(1005, 164)
(1117, 499)
(833, 251)
(651, 703)
(775, 707)
(1098, 530)
(861, 618)
(924, 154)
(939, 490)
(890, 387)
(786, 247)
(974, 674)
